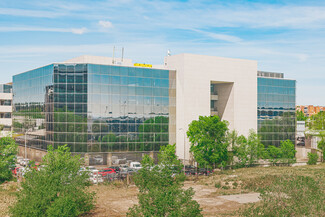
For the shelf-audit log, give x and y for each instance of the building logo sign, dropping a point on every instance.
(143, 65)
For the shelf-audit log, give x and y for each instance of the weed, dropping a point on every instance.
(217, 185)
(291, 195)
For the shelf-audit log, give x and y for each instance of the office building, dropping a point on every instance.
(96, 108)
(111, 108)
(6, 106)
(276, 108)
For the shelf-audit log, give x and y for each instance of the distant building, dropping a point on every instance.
(310, 109)
(6, 105)
(300, 136)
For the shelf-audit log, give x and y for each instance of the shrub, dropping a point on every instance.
(288, 152)
(217, 185)
(160, 188)
(312, 158)
(8, 151)
(58, 189)
(290, 196)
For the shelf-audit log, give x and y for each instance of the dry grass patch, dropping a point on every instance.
(7, 197)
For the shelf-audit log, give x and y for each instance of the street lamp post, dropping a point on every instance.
(26, 143)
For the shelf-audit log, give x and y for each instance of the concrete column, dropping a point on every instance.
(151, 154)
(109, 159)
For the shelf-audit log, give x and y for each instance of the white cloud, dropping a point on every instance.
(79, 31)
(42, 29)
(218, 36)
(29, 13)
(105, 24)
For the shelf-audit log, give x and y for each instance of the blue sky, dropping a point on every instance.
(283, 36)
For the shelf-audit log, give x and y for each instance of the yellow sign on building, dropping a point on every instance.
(143, 65)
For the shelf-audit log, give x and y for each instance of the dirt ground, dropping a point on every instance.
(224, 193)
(221, 194)
(115, 201)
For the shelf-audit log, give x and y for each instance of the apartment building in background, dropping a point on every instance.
(6, 105)
(106, 108)
(310, 110)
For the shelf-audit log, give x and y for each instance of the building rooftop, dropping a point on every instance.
(270, 74)
(100, 60)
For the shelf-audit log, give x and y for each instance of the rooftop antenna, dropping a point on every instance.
(113, 55)
(168, 53)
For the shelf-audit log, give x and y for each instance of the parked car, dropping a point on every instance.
(205, 171)
(106, 171)
(24, 162)
(124, 167)
(135, 165)
(18, 159)
(22, 171)
(96, 179)
(15, 171)
(116, 168)
(98, 159)
(190, 170)
(91, 168)
(129, 171)
(37, 165)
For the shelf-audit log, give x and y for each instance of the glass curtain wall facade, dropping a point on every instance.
(95, 108)
(276, 110)
(29, 103)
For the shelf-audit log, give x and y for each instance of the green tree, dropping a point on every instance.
(8, 151)
(58, 189)
(288, 152)
(248, 150)
(273, 154)
(209, 142)
(317, 121)
(301, 116)
(160, 188)
(312, 158)
(240, 151)
(321, 146)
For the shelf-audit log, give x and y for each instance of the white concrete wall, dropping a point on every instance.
(6, 121)
(194, 74)
(5, 108)
(5, 96)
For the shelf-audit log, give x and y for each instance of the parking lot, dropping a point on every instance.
(102, 173)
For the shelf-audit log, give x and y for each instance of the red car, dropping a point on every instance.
(15, 171)
(106, 171)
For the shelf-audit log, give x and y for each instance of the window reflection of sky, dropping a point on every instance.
(97, 107)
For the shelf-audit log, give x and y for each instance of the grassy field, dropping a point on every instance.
(284, 191)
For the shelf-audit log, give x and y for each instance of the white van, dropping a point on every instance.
(135, 165)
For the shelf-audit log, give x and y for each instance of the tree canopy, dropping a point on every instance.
(58, 189)
(247, 150)
(209, 141)
(8, 151)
